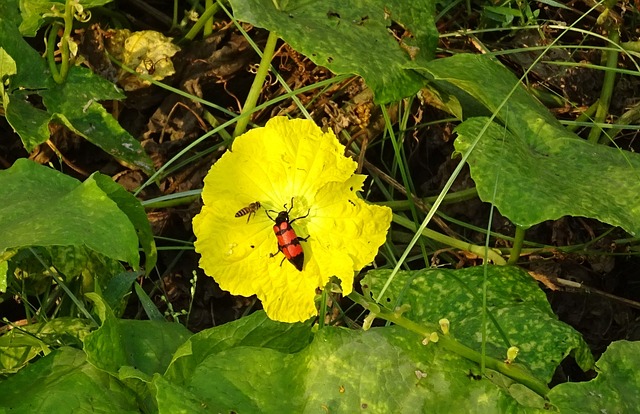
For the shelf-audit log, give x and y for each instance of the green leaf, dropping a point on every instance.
(614, 390)
(76, 264)
(481, 85)
(255, 330)
(10, 11)
(32, 72)
(521, 312)
(170, 396)
(43, 207)
(118, 289)
(20, 345)
(567, 177)
(63, 382)
(354, 37)
(75, 104)
(258, 365)
(531, 167)
(7, 65)
(35, 13)
(137, 216)
(149, 306)
(145, 345)
(4, 267)
(31, 123)
(383, 370)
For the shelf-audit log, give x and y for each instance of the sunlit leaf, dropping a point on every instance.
(614, 390)
(530, 166)
(354, 37)
(63, 382)
(43, 207)
(518, 312)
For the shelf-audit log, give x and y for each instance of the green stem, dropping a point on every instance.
(323, 306)
(584, 117)
(633, 46)
(61, 75)
(174, 21)
(256, 87)
(173, 200)
(455, 197)
(64, 41)
(207, 16)
(450, 198)
(512, 371)
(51, 50)
(630, 117)
(607, 87)
(480, 251)
(517, 245)
(208, 24)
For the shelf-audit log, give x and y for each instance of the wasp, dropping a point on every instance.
(251, 210)
(288, 240)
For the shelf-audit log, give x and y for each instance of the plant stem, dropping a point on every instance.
(256, 87)
(450, 198)
(173, 200)
(517, 245)
(630, 117)
(449, 343)
(607, 86)
(64, 42)
(323, 306)
(174, 21)
(584, 117)
(208, 24)
(455, 197)
(450, 241)
(207, 16)
(51, 50)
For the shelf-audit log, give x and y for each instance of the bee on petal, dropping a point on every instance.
(251, 210)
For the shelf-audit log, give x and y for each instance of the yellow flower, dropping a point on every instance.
(287, 164)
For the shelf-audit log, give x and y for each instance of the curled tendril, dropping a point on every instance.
(81, 15)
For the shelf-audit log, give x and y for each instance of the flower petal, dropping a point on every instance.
(289, 165)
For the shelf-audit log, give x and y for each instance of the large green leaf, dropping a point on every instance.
(63, 382)
(519, 313)
(146, 346)
(614, 390)
(255, 330)
(354, 37)
(531, 167)
(43, 207)
(258, 365)
(385, 370)
(564, 177)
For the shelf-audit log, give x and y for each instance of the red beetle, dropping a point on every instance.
(288, 240)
